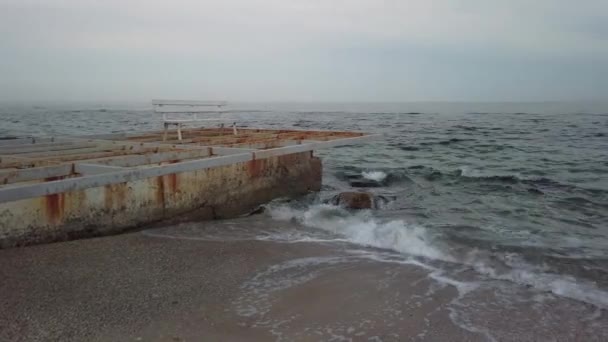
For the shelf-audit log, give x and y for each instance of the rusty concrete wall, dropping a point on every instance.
(221, 192)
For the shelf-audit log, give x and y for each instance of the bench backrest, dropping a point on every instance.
(170, 108)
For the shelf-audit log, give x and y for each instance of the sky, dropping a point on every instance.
(304, 50)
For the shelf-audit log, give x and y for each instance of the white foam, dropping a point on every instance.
(364, 230)
(561, 285)
(256, 300)
(282, 212)
(377, 176)
(467, 171)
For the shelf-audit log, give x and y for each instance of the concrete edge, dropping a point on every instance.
(19, 191)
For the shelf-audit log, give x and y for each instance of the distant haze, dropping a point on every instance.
(304, 50)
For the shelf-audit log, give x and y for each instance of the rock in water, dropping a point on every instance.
(259, 210)
(355, 200)
(365, 183)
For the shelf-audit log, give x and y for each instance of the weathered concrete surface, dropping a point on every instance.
(220, 192)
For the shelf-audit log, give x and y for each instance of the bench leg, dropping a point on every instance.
(165, 134)
(234, 128)
(179, 132)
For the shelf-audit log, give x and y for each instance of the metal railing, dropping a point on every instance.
(193, 110)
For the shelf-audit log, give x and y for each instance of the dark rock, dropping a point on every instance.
(257, 211)
(354, 200)
(535, 191)
(365, 183)
(380, 201)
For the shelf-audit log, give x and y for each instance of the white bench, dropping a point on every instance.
(179, 112)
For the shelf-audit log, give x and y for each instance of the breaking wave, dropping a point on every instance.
(361, 228)
(386, 177)
(378, 176)
(513, 268)
(467, 172)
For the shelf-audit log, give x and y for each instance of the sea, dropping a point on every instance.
(507, 203)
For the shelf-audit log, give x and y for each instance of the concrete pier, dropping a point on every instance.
(65, 188)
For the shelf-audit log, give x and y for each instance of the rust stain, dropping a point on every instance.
(50, 179)
(173, 179)
(54, 206)
(255, 167)
(287, 160)
(57, 206)
(107, 197)
(160, 191)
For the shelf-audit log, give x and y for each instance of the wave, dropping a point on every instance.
(363, 229)
(493, 147)
(447, 142)
(397, 113)
(361, 178)
(468, 174)
(540, 278)
(537, 184)
(322, 112)
(501, 113)
(467, 128)
(378, 176)
(453, 141)
(409, 148)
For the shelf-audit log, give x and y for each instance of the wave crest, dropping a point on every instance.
(361, 228)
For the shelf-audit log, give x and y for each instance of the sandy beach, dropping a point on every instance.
(148, 286)
(134, 287)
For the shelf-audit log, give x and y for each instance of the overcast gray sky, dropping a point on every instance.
(304, 50)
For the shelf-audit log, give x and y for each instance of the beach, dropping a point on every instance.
(342, 171)
(183, 283)
(136, 287)
(489, 224)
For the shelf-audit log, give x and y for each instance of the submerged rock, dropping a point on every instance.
(381, 201)
(360, 200)
(259, 210)
(535, 191)
(354, 200)
(366, 179)
(365, 183)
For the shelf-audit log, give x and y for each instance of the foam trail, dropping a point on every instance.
(560, 285)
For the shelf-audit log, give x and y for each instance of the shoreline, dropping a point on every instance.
(137, 287)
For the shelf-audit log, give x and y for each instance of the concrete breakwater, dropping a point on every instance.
(56, 189)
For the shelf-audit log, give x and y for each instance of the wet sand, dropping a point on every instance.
(136, 287)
